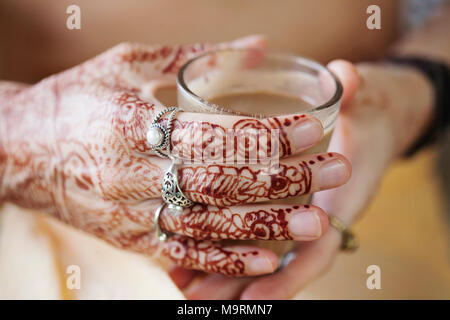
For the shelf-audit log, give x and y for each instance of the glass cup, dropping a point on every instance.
(258, 84)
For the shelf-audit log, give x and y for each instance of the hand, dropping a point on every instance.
(384, 109)
(74, 145)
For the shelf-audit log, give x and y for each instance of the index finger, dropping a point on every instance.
(205, 135)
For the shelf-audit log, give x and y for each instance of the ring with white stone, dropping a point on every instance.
(158, 137)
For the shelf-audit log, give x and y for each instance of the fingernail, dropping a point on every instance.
(260, 265)
(305, 226)
(332, 174)
(306, 133)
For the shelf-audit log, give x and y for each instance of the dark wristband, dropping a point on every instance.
(439, 76)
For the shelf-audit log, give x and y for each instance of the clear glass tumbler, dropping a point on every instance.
(258, 84)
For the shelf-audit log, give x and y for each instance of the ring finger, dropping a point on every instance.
(249, 222)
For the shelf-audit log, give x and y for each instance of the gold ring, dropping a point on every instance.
(349, 242)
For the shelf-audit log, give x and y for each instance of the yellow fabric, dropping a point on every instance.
(35, 252)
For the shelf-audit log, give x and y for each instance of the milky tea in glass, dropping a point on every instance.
(258, 84)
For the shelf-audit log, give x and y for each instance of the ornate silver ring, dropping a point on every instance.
(158, 137)
(171, 192)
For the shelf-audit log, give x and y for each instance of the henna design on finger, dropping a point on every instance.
(249, 140)
(215, 223)
(204, 255)
(266, 124)
(227, 185)
(189, 253)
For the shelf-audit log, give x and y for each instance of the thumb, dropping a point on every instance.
(348, 75)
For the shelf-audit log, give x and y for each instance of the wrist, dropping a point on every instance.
(418, 103)
(406, 97)
(438, 75)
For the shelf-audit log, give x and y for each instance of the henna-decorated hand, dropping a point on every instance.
(392, 106)
(74, 146)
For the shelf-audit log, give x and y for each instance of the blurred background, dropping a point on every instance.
(36, 42)
(404, 231)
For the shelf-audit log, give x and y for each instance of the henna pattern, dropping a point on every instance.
(215, 223)
(200, 140)
(74, 145)
(229, 185)
(192, 254)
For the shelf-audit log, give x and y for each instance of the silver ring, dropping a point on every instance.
(285, 259)
(171, 192)
(158, 137)
(161, 235)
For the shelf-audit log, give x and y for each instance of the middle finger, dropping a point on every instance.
(226, 185)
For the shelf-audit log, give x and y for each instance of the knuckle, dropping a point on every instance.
(130, 52)
(131, 119)
(121, 51)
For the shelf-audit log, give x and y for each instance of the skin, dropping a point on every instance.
(312, 259)
(351, 137)
(74, 145)
(385, 109)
